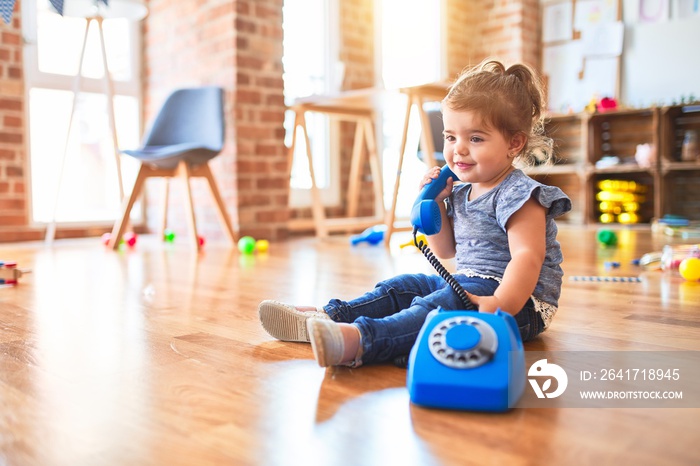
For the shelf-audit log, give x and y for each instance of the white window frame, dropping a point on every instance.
(35, 78)
(330, 194)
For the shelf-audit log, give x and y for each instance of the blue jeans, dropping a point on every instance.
(390, 316)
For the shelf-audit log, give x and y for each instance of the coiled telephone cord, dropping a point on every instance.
(442, 271)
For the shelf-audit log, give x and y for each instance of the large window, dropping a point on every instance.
(311, 67)
(89, 191)
(410, 41)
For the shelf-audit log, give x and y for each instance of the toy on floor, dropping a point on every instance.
(372, 235)
(10, 274)
(129, 239)
(467, 360)
(689, 269)
(607, 237)
(676, 225)
(246, 245)
(596, 278)
(168, 235)
(419, 238)
(262, 245)
(672, 256)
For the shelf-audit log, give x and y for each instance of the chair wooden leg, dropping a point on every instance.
(164, 218)
(122, 222)
(184, 171)
(223, 215)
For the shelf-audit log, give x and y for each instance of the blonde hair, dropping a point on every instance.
(508, 99)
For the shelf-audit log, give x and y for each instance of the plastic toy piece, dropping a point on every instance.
(10, 274)
(105, 238)
(372, 235)
(607, 237)
(419, 238)
(246, 245)
(200, 240)
(262, 245)
(690, 269)
(595, 278)
(168, 235)
(130, 239)
(467, 360)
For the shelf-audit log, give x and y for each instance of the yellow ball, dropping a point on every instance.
(690, 269)
(262, 245)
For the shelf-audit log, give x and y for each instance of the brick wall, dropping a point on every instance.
(263, 178)
(13, 161)
(237, 44)
(509, 31)
(462, 39)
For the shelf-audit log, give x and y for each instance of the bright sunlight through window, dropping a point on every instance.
(89, 190)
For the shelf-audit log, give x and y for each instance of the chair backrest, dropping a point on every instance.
(436, 129)
(191, 115)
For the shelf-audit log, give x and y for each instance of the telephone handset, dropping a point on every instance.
(425, 215)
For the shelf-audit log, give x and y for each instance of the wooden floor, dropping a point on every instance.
(155, 356)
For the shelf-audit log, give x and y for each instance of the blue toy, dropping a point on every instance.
(467, 360)
(372, 235)
(425, 214)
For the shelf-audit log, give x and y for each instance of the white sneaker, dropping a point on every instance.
(328, 344)
(285, 322)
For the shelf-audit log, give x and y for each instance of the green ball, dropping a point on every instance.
(607, 237)
(168, 235)
(246, 245)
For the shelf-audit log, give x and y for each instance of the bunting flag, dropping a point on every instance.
(6, 8)
(58, 5)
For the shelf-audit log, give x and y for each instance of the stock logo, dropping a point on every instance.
(543, 370)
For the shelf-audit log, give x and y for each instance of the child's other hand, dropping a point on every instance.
(431, 175)
(487, 304)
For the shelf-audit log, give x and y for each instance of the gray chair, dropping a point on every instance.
(187, 132)
(436, 129)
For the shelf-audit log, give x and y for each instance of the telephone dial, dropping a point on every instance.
(462, 359)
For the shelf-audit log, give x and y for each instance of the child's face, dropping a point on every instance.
(475, 152)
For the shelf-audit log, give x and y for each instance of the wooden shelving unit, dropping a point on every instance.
(680, 180)
(582, 140)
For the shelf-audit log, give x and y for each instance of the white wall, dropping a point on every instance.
(661, 61)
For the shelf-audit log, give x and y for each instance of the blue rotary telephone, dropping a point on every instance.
(461, 359)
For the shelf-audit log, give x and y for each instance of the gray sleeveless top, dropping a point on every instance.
(480, 229)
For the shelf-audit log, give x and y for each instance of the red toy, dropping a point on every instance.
(129, 239)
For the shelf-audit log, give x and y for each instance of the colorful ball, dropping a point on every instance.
(262, 245)
(105, 238)
(200, 240)
(690, 269)
(246, 245)
(607, 237)
(130, 239)
(168, 235)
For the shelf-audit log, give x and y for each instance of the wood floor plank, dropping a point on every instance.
(155, 355)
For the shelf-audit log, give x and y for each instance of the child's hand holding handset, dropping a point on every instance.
(431, 175)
